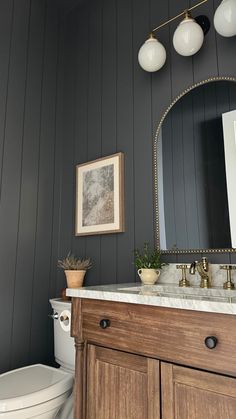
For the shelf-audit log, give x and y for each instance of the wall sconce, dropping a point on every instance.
(225, 18)
(187, 40)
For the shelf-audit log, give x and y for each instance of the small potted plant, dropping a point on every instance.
(148, 263)
(75, 270)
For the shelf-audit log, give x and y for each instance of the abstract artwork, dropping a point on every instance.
(100, 196)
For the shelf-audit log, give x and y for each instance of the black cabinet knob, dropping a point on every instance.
(211, 342)
(104, 323)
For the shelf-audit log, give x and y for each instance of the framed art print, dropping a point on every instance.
(100, 196)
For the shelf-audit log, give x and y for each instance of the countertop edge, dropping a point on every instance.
(178, 303)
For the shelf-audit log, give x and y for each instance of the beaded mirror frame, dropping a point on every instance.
(155, 166)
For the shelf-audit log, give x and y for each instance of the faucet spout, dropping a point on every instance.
(192, 268)
(203, 270)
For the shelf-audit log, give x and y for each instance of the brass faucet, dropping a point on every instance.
(203, 270)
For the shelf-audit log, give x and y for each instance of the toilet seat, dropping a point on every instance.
(32, 385)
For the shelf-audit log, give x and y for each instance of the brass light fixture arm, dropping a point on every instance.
(179, 15)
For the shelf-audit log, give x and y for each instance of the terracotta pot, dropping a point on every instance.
(148, 276)
(74, 278)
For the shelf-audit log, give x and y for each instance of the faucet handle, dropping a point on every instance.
(184, 281)
(205, 264)
(228, 267)
(228, 285)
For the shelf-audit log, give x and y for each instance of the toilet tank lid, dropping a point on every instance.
(32, 385)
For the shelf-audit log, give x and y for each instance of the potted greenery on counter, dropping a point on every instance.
(75, 270)
(148, 264)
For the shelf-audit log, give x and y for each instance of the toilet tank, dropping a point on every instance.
(64, 349)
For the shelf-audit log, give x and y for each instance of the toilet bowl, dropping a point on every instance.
(40, 391)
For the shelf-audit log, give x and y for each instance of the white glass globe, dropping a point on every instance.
(225, 18)
(152, 55)
(188, 37)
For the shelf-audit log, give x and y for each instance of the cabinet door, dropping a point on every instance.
(193, 394)
(121, 385)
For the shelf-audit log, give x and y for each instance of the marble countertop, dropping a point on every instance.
(215, 300)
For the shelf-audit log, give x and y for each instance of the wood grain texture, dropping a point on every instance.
(167, 334)
(121, 386)
(187, 393)
(118, 374)
(167, 391)
(80, 359)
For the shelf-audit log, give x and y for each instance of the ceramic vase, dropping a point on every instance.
(148, 276)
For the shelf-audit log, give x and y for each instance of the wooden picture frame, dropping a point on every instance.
(100, 196)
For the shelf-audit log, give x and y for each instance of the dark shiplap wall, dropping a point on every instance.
(112, 105)
(56, 110)
(28, 86)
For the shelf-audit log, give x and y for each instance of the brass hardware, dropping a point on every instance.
(184, 12)
(205, 283)
(155, 158)
(228, 285)
(184, 281)
(202, 268)
(205, 264)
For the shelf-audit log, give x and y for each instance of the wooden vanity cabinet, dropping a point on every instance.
(135, 361)
(126, 385)
(191, 394)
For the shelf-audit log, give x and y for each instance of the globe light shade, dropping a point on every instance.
(188, 37)
(152, 55)
(225, 18)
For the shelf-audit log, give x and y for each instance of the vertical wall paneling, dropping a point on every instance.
(68, 146)
(29, 182)
(42, 263)
(189, 168)
(142, 130)
(93, 243)
(182, 67)
(81, 106)
(126, 103)
(161, 85)
(125, 135)
(11, 170)
(56, 221)
(178, 177)
(109, 122)
(91, 100)
(226, 60)
(207, 57)
(6, 20)
(28, 59)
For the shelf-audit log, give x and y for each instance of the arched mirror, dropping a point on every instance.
(195, 170)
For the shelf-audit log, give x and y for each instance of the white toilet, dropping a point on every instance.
(39, 391)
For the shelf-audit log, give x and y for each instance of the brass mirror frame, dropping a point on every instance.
(155, 158)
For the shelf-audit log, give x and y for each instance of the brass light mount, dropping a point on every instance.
(203, 21)
(187, 40)
(228, 285)
(184, 282)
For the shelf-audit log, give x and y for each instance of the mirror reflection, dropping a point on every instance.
(196, 170)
